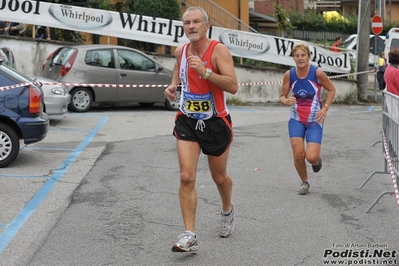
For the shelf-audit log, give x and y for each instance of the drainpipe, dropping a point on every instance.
(239, 12)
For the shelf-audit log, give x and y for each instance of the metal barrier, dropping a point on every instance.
(390, 147)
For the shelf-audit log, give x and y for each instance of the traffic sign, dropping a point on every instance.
(377, 24)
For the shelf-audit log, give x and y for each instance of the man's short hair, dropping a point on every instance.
(192, 8)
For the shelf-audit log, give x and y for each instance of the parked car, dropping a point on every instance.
(21, 113)
(56, 97)
(391, 41)
(8, 56)
(375, 50)
(102, 65)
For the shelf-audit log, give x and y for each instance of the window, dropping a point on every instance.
(100, 58)
(62, 56)
(135, 61)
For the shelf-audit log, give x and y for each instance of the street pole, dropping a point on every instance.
(362, 55)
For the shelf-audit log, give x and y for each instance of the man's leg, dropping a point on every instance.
(188, 153)
(217, 166)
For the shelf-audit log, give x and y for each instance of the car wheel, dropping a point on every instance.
(9, 145)
(174, 105)
(81, 100)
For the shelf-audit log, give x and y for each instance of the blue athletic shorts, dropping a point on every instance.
(313, 131)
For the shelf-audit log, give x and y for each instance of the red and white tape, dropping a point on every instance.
(390, 166)
(148, 85)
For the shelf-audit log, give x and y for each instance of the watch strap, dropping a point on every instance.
(208, 73)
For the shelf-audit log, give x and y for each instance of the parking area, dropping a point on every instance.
(101, 189)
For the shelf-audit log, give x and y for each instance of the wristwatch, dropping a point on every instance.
(208, 73)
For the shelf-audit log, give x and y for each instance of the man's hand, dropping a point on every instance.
(170, 92)
(195, 63)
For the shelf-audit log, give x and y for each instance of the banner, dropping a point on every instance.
(166, 32)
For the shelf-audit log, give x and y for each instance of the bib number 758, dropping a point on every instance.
(198, 106)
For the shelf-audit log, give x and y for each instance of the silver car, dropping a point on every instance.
(56, 97)
(108, 73)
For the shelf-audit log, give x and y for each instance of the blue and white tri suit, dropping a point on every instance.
(307, 92)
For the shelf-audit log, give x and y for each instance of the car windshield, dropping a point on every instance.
(62, 55)
(348, 41)
(394, 44)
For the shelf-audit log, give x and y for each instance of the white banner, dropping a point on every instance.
(167, 32)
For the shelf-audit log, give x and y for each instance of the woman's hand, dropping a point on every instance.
(290, 100)
(321, 114)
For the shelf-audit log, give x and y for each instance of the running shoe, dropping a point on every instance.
(186, 243)
(227, 223)
(304, 189)
(316, 167)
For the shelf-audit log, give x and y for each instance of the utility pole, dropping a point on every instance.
(363, 48)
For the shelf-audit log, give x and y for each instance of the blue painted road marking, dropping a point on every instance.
(12, 229)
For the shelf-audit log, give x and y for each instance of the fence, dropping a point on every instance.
(308, 35)
(390, 147)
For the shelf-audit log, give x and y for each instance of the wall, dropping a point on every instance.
(30, 55)
(238, 8)
(267, 7)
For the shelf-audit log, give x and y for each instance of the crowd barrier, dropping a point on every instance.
(390, 147)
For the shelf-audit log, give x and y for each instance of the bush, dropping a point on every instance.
(313, 21)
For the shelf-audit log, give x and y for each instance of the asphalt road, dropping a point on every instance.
(102, 189)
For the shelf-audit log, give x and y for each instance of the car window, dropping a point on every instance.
(349, 41)
(62, 55)
(135, 61)
(100, 58)
(394, 44)
(10, 76)
(4, 57)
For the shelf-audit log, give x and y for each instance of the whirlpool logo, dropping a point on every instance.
(244, 44)
(80, 18)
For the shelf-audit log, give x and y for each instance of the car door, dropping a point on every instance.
(100, 70)
(136, 68)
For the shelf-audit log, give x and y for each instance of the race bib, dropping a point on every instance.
(198, 106)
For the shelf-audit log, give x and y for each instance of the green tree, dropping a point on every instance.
(167, 9)
(283, 23)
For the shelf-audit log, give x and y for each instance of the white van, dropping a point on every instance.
(391, 41)
(351, 42)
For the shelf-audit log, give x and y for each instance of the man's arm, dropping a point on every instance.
(176, 67)
(223, 62)
(170, 91)
(20, 26)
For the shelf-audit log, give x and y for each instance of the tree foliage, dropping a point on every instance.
(284, 24)
(314, 21)
(167, 9)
